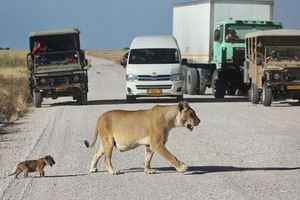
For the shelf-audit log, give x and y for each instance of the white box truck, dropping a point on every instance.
(202, 30)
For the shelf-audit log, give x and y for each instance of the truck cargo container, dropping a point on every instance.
(213, 60)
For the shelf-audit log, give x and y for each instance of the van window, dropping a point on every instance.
(153, 56)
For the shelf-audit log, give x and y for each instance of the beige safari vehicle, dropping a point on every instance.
(272, 65)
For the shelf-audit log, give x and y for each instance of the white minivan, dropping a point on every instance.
(154, 68)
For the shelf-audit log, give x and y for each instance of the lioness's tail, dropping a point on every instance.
(87, 144)
(14, 172)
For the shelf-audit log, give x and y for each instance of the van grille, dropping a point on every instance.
(145, 87)
(154, 78)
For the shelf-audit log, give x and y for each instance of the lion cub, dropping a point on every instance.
(33, 165)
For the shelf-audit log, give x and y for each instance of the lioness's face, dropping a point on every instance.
(188, 116)
(49, 160)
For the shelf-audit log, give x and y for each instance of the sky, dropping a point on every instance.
(104, 24)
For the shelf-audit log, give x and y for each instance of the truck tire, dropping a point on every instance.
(218, 86)
(192, 81)
(202, 87)
(254, 94)
(37, 99)
(82, 100)
(184, 81)
(266, 97)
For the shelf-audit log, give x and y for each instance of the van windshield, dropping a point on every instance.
(153, 56)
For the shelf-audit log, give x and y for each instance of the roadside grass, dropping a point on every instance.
(14, 94)
(112, 55)
(14, 89)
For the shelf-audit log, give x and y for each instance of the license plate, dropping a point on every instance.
(60, 89)
(154, 91)
(293, 87)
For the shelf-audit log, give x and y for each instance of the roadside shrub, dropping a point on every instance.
(14, 93)
(14, 97)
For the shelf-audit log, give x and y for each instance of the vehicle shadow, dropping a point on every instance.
(149, 101)
(200, 170)
(197, 99)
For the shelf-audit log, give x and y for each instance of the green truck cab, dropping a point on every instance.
(57, 65)
(229, 54)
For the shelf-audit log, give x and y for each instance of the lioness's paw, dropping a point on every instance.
(150, 171)
(93, 170)
(115, 172)
(181, 168)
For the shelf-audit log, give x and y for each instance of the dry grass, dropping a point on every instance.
(14, 92)
(113, 55)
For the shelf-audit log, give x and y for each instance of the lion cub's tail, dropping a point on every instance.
(87, 144)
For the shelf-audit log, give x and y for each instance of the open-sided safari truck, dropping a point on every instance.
(272, 65)
(57, 65)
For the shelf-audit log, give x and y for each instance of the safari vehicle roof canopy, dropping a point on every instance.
(54, 32)
(56, 39)
(278, 32)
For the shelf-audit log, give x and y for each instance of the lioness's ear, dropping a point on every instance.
(183, 105)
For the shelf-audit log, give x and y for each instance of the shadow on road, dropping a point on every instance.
(277, 103)
(199, 170)
(150, 100)
(65, 176)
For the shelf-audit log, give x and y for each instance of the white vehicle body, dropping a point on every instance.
(154, 68)
(194, 23)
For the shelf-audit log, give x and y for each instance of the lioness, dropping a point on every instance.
(33, 165)
(128, 129)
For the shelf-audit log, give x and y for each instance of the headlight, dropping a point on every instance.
(43, 80)
(276, 76)
(131, 77)
(176, 77)
(76, 78)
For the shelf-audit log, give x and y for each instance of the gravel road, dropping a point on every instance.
(239, 150)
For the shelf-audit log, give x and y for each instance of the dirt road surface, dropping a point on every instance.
(239, 150)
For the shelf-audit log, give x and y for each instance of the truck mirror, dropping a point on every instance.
(184, 61)
(217, 35)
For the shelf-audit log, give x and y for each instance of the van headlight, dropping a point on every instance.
(131, 77)
(176, 77)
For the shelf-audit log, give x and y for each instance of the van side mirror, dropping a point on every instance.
(217, 35)
(184, 61)
(123, 62)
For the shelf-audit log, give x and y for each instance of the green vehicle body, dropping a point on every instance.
(58, 68)
(229, 55)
